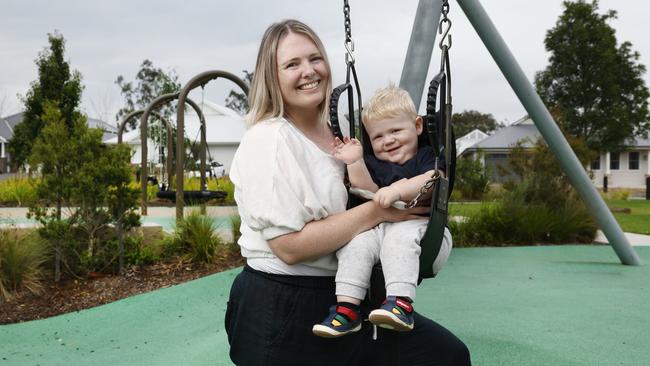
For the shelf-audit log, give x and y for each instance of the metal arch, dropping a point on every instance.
(143, 140)
(198, 80)
(170, 141)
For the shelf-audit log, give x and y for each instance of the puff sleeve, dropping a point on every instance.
(282, 181)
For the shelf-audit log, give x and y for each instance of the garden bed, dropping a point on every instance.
(75, 295)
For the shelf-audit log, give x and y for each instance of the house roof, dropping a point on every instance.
(507, 137)
(640, 142)
(6, 132)
(8, 124)
(14, 119)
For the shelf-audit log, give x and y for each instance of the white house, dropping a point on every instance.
(470, 139)
(627, 169)
(224, 130)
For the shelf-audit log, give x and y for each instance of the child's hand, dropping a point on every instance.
(386, 196)
(348, 151)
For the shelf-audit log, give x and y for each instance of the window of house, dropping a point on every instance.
(595, 164)
(614, 161)
(633, 160)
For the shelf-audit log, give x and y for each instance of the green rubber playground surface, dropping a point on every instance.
(550, 305)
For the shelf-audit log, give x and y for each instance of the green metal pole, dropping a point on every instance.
(549, 130)
(418, 54)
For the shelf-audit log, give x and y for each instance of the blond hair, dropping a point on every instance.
(264, 96)
(389, 102)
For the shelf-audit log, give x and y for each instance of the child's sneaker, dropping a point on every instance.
(395, 313)
(339, 322)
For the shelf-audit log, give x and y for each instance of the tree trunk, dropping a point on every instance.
(57, 255)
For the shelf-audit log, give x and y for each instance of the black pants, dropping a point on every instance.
(269, 320)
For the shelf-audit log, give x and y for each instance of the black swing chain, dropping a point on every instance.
(349, 44)
(436, 173)
(445, 19)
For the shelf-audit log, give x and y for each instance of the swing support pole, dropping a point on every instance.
(418, 54)
(549, 129)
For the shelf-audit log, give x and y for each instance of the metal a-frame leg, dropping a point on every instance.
(549, 129)
(416, 67)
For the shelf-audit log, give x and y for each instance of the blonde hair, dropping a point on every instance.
(389, 102)
(264, 96)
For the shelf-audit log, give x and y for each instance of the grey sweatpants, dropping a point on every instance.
(397, 245)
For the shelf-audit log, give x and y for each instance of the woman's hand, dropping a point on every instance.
(392, 214)
(321, 237)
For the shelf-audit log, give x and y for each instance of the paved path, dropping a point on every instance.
(635, 239)
(21, 212)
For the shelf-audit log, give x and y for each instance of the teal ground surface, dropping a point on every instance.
(551, 305)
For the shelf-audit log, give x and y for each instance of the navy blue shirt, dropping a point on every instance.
(385, 173)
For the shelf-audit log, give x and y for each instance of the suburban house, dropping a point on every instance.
(224, 130)
(627, 169)
(7, 125)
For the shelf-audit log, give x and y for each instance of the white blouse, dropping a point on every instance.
(283, 181)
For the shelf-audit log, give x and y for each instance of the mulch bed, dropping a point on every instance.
(73, 295)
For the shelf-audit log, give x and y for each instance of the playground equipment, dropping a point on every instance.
(168, 127)
(199, 80)
(165, 98)
(415, 68)
(437, 134)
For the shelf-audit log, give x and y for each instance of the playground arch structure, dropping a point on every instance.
(144, 114)
(201, 80)
(414, 72)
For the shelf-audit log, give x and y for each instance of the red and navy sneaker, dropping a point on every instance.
(340, 321)
(395, 313)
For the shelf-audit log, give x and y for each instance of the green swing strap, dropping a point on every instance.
(439, 131)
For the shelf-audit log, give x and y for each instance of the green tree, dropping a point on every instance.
(88, 177)
(471, 177)
(56, 84)
(467, 121)
(238, 101)
(150, 83)
(593, 86)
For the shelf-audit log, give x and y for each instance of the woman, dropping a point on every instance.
(291, 199)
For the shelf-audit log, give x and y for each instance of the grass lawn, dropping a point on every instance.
(638, 221)
(466, 208)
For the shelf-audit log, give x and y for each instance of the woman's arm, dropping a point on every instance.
(322, 237)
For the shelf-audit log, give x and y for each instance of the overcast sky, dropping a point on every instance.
(110, 38)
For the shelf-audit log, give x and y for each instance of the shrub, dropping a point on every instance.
(195, 234)
(516, 220)
(21, 259)
(18, 190)
(137, 254)
(620, 194)
(235, 222)
(539, 206)
(226, 185)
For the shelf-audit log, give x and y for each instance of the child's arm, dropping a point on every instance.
(404, 190)
(350, 152)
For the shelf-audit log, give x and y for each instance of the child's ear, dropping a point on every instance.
(419, 125)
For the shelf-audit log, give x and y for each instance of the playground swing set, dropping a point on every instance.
(438, 131)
